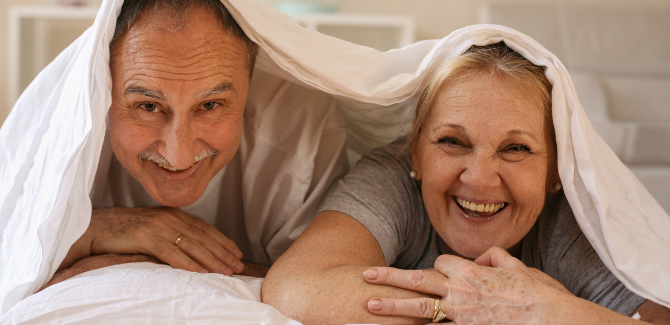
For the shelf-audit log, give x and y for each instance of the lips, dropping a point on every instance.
(474, 207)
(174, 175)
(482, 212)
(172, 169)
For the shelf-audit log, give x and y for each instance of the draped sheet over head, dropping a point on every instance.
(50, 144)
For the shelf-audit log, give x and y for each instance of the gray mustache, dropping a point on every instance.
(157, 158)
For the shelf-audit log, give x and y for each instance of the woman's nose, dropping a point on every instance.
(481, 171)
(179, 138)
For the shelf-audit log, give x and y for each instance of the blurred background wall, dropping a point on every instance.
(433, 19)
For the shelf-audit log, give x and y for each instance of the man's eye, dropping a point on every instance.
(152, 108)
(210, 106)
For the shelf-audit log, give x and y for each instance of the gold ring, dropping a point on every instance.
(438, 315)
(176, 242)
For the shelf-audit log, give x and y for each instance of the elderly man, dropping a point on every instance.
(203, 174)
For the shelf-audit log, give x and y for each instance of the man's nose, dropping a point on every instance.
(180, 147)
(481, 172)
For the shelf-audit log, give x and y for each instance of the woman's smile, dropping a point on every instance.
(484, 180)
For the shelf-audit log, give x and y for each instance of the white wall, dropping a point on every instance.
(434, 19)
(438, 18)
(4, 41)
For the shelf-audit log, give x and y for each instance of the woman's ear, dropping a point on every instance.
(416, 162)
(555, 183)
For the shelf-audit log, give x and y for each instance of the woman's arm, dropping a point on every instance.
(653, 313)
(319, 280)
(498, 288)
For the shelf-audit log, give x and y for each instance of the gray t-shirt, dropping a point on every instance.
(380, 194)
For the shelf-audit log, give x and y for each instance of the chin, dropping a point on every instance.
(174, 200)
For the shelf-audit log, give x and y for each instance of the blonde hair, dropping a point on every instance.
(496, 61)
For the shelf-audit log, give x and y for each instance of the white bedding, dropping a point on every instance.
(147, 293)
(51, 142)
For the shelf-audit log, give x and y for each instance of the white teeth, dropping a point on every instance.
(479, 207)
(172, 169)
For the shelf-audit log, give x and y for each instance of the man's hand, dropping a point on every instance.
(97, 262)
(496, 288)
(170, 234)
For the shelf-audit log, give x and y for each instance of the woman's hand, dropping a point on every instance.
(496, 288)
(170, 234)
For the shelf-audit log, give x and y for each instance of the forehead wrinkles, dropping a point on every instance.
(484, 111)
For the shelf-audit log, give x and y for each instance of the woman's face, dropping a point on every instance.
(486, 160)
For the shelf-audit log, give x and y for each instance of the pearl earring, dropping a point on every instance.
(557, 186)
(412, 174)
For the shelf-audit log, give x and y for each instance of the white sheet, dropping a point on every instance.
(147, 293)
(51, 141)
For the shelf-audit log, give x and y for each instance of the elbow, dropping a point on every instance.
(286, 295)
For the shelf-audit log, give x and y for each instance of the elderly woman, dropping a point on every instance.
(475, 192)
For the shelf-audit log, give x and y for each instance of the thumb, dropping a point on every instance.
(499, 258)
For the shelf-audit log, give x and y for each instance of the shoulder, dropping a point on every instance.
(379, 193)
(563, 252)
(387, 168)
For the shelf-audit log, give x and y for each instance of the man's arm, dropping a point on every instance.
(319, 280)
(170, 234)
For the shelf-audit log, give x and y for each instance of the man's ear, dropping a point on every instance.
(416, 161)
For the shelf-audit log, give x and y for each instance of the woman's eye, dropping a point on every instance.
(450, 141)
(151, 108)
(210, 106)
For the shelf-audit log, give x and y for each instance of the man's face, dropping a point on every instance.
(178, 97)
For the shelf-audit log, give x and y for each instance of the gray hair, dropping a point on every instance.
(133, 9)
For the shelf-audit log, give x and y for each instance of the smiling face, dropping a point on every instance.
(485, 146)
(178, 97)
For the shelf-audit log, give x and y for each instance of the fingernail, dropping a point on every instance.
(238, 253)
(375, 304)
(238, 266)
(371, 274)
(226, 271)
(201, 270)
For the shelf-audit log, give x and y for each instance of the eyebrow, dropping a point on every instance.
(462, 129)
(453, 126)
(220, 88)
(145, 92)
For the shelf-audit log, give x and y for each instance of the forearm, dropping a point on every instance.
(575, 310)
(254, 270)
(336, 295)
(80, 249)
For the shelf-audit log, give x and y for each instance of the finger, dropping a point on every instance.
(214, 233)
(452, 266)
(425, 281)
(169, 253)
(214, 248)
(201, 255)
(498, 257)
(416, 307)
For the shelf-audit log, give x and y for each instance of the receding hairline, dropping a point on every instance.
(177, 13)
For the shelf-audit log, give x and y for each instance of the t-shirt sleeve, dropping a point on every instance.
(379, 193)
(568, 257)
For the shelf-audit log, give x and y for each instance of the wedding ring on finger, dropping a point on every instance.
(438, 315)
(176, 242)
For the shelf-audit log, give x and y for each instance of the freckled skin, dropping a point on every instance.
(480, 160)
(179, 66)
